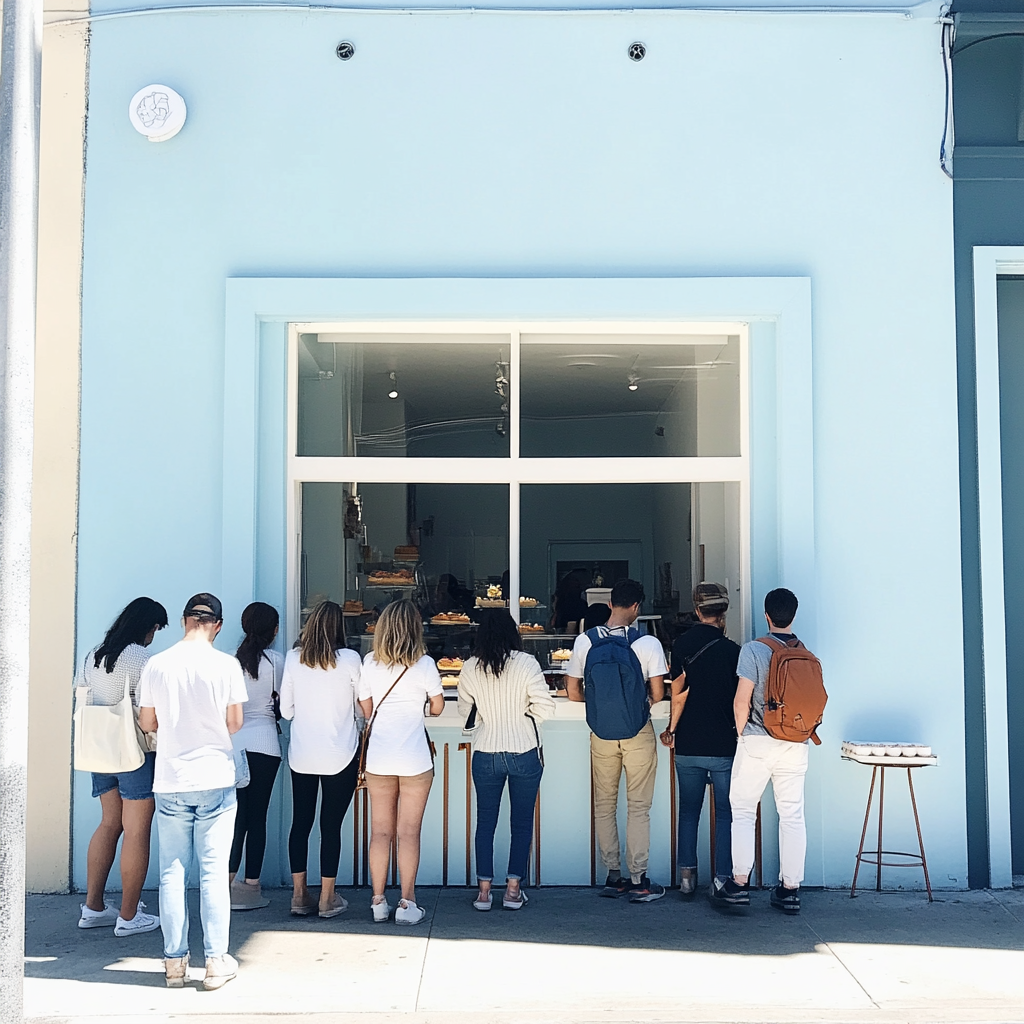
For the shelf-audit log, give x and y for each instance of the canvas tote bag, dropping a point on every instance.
(107, 739)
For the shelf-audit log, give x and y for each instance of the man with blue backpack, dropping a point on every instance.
(619, 671)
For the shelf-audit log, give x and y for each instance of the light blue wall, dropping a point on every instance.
(527, 145)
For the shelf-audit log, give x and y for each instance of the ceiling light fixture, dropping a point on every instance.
(393, 393)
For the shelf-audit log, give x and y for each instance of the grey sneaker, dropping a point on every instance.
(687, 881)
(219, 971)
(176, 971)
(247, 897)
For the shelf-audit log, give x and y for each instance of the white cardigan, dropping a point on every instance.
(507, 706)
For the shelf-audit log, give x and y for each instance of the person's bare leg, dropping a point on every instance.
(137, 821)
(383, 815)
(327, 892)
(414, 791)
(299, 889)
(102, 849)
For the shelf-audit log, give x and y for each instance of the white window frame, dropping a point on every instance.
(513, 470)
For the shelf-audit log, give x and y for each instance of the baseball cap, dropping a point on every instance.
(710, 595)
(204, 607)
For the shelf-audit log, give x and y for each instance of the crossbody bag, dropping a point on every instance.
(364, 745)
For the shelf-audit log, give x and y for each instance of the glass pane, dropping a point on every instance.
(383, 395)
(630, 396)
(443, 546)
(667, 536)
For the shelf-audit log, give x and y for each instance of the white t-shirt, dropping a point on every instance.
(259, 733)
(398, 742)
(321, 704)
(647, 648)
(190, 686)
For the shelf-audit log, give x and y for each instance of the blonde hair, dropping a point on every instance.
(398, 635)
(322, 635)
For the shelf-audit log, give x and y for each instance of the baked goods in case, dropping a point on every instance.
(370, 627)
(449, 617)
(490, 602)
(531, 627)
(354, 607)
(528, 602)
(450, 664)
(449, 682)
(391, 578)
(562, 654)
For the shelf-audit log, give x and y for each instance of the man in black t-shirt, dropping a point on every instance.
(702, 729)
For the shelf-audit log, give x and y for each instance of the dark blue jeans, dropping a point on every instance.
(490, 771)
(694, 773)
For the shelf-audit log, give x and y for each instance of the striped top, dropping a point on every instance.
(107, 688)
(259, 733)
(509, 706)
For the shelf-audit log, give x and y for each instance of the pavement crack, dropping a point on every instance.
(842, 963)
(426, 950)
(993, 894)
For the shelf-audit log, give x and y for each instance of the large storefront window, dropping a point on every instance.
(468, 468)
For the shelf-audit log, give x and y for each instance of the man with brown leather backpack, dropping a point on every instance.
(779, 703)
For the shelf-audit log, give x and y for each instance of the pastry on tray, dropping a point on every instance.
(391, 578)
(449, 682)
(528, 602)
(562, 654)
(370, 627)
(450, 664)
(490, 602)
(450, 617)
(356, 607)
(531, 627)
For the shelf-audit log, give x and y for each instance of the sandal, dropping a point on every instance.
(481, 903)
(514, 902)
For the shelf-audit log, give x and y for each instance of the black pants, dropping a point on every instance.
(337, 793)
(251, 816)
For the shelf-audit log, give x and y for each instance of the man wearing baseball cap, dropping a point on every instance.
(192, 696)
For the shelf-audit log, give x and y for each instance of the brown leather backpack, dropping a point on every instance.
(794, 694)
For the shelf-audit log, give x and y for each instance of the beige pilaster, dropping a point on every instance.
(55, 468)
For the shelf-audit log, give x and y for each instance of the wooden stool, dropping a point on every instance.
(881, 756)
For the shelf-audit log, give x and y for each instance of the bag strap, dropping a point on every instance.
(687, 662)
(373, 718)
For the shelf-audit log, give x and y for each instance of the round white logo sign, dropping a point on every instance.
(157, 112)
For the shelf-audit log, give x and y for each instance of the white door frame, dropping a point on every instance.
(991, 262)
(512, 470)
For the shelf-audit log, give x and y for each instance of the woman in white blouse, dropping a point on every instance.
(507, 688)
(318, 695)
(260, 740)
(398, 679)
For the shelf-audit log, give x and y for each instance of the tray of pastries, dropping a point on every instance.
(530, 627)
(450, 619)
(529, 602)
(391, 578)
(353, 608)
(561, 656)
(450, 664)
(493, 598)
(369, 627)
(449, 682)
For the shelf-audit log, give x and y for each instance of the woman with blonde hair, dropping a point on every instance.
(318, 694)
(397, 680)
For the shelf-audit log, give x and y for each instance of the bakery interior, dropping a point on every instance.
(447, 545)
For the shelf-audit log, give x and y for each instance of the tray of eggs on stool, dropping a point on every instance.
(896, 755)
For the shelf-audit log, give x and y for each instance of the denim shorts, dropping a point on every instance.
(136, 785)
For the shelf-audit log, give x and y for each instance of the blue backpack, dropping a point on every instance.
(614, 687)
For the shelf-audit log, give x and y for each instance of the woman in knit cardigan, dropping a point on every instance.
(507, 688)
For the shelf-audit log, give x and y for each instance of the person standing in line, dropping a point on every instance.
(126, 800)
(259, 738)
(508, 691)
(637, 662)
(702, 730)
(192, 696)
(761, 758)
(318, 695)
(398, 678)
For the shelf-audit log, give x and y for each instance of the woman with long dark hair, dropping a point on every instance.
(398, 679)
(318, 695)
(263, 668)
(507, 688)
(126, 799)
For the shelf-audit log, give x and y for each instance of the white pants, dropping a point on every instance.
(758, 760)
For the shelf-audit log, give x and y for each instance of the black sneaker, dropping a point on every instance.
(786, 900)
(645, 891)
(729, 893)
(615, 887)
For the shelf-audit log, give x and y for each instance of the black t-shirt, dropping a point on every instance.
(706, 727)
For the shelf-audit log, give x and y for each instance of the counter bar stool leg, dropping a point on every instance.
(673, 812)
(593, 837)
(863, 833)
(881, 808)
(536, 841)
(712, 822)
(468, 748)
(444, 820)
(920, 839)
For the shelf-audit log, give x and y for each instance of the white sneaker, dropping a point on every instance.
(105, 918)
(219, 971)
(141, 922)
(409, 913)
(381, 911)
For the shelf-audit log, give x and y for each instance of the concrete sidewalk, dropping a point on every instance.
(567, 957)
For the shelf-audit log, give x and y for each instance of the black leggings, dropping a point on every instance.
(251, 816)
(337, 795)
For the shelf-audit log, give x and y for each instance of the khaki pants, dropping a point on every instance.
(639, 757)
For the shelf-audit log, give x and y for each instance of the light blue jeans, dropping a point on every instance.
(202, 823)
